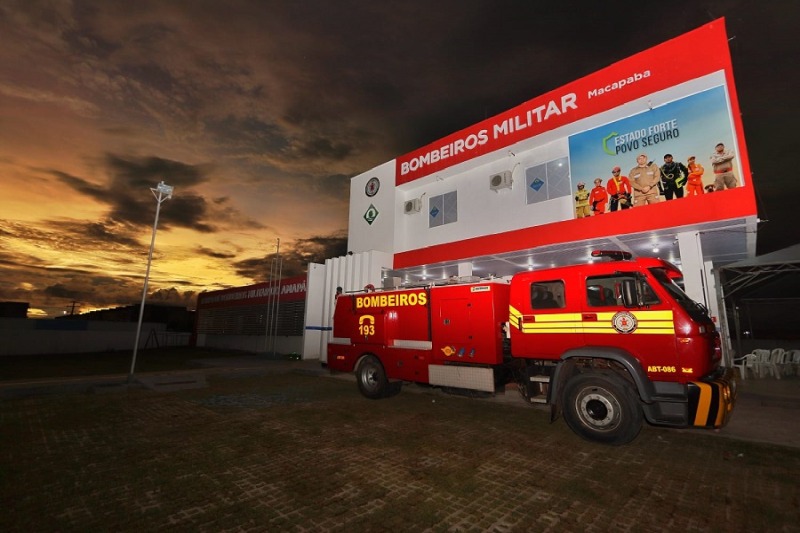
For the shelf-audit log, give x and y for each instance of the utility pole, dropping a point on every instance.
(273, 304)
(162, 193)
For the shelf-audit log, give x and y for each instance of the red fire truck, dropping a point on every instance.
(607, 344)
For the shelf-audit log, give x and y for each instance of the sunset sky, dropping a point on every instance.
(259, 112)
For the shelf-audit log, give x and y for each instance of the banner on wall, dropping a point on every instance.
(287, 290)
(691, 127)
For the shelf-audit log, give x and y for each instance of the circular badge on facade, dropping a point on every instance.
(624, 322)
(371, 189)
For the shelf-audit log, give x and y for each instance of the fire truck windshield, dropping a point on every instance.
(695, 310)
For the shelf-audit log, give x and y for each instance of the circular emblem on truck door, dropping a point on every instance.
(371, 189)
(624, 322)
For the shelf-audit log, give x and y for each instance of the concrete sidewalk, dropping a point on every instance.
(767, 410)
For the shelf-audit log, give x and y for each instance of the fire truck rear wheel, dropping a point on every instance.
(371, 378)
(602, 408)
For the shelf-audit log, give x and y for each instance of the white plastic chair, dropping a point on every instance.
(791, 362)
(762, 364)
(745, 362)
(772, 364)
(779, 358)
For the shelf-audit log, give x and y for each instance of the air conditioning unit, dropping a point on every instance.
(501, 180)
(412, 206)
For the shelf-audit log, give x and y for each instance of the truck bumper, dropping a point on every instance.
(711, 400)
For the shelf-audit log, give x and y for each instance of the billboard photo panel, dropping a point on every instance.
(689, 127)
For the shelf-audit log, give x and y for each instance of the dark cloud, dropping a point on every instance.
(335, 186)
(295, 258)
(60, 291)
(87, 43)
(248, 134)
(174, 296)
(202, 250)
(107, 234)
(323, 148)
(130, 204)
(83, 186)
(148, 171)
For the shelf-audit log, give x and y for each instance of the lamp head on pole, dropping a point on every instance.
(164, 189)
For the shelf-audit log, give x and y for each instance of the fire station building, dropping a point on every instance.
(535, 186)
(263, 318)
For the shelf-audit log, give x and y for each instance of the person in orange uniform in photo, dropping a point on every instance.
(598, 197)
(694, 183)
(619, 189)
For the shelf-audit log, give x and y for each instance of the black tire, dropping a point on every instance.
(371, 378)
(602, 408)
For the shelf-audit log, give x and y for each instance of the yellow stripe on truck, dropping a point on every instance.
(647, 322)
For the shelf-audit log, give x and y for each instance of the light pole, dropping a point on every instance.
(162, 192)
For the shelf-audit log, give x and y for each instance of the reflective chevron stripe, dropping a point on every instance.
(710, 403)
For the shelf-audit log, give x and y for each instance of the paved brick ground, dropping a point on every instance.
(280, 450)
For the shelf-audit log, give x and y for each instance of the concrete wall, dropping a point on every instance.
(252, 343)
(21, 336)
(317, 301)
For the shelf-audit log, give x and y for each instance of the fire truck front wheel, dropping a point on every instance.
(602, 408)
(371, 378)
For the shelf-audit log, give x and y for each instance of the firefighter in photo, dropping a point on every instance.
(598, 197)
(673, 176)
(582, 207)
(694, 183)
(644, 178)
(722, 163)
(619, 190)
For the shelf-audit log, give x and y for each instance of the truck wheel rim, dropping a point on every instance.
(368, 377)
(598, 408)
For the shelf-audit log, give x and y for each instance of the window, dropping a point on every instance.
(547, 295)
(442, 209)
(606, 291)
(547, 181)
(600, 295)
(695, 310)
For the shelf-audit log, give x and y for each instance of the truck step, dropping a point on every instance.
(538, 400)
(541, 379)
